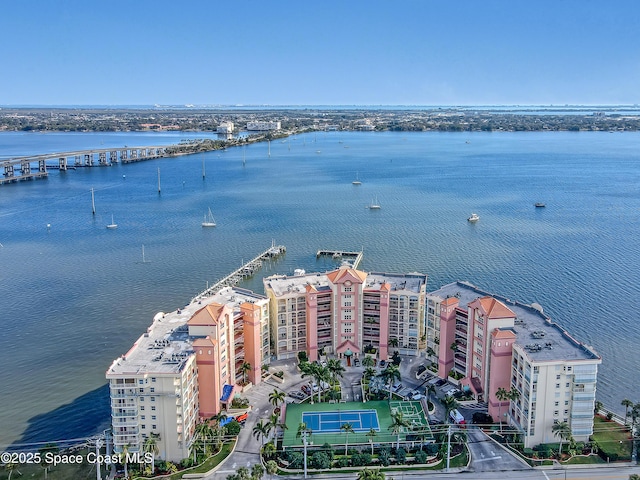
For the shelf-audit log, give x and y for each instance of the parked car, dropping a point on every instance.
(356, 362)
(417, 396)
(440, 382)
(306, 389)
(297, 395)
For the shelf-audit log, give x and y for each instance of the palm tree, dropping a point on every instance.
(369, 372)
(430, 353)
(261, 429)
(371, 474)
(335, 368)
(268, 450)
(11, 467)
(347, 428)
(393, 342)
(398, 422)
(124, 458)
(317, 372)
(561, 430)
(371, 434)
(245, 368)
(431, 390)
(257, 471)
(597, 406)
(203, 430)
(391, 374)
(151, 446)
(217, 429)
(272, 468)
(626, 404)
(368, 361)
(501, 395)
(276, 398)
(449, 403)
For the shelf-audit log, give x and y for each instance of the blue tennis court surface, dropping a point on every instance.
(330, 422)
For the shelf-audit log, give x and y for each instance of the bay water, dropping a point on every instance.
(76, 295)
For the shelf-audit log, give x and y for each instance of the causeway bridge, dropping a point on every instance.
(36, 166)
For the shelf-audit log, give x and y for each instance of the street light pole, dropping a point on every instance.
(304, 442)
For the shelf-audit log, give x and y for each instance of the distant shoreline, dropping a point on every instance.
(295, 119)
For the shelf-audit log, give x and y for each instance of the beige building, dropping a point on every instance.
(185, 368)
(493, 342)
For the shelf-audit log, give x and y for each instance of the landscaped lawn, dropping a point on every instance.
(612, 438)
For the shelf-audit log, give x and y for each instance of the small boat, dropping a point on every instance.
(539, 205)
(357, 181)
(374, 204)
(208, 220)
(473, 218)
(113, 225)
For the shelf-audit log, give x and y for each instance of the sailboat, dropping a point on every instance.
(144, 260)
(208, 220)
(357, 181)
(113, 225)
(374, 204)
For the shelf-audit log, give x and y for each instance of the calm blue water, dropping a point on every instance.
(76, 296)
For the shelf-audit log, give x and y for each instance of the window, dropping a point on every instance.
(153, 417)
(557, 377)
(141, 390)
(153, 389)
(556, 404)
(142, 408)
(143, 426)
(140, 382)
(142, 400)
(141, 417)
(567, 385)
(153, 408)
(556, 412)
(153, 379)
(557, 385)
(154, 427)
(566, 402)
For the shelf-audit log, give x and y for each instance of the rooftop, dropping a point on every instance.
(166, 345)
(541, 339)
(296, 284)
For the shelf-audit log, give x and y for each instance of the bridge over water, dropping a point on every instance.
(37, 166)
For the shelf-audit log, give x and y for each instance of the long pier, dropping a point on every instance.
(36, 166)
(246, 270)
(353, 259)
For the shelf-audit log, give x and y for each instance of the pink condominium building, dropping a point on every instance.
(185, 368)
(344, 311)
(490, 342)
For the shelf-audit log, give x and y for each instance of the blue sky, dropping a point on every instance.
(328, 52)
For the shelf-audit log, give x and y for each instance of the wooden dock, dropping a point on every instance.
(246, 270)
(353, 259)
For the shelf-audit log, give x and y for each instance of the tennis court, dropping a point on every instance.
(324, 421)
(330, 422)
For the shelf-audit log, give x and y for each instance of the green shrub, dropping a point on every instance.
(384, 456)
(342, 462)
(421, 456)
(361, 459)
(320, 460)
(401, 456)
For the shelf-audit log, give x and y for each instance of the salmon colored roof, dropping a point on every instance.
(385, 286)
(450, 301)
(503, 333)
(310, 288)
(342, 272)
(350, 345)
(250, 306)
(203, 342)
(495, 308)
(207, 315)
